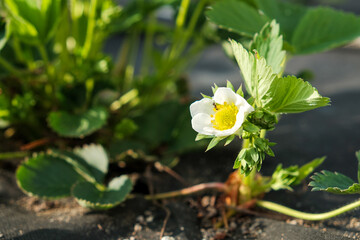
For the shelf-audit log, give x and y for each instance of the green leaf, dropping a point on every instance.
(31, 22)
(157, 124)
(293, 95)
(236, 16)
(257, 75)
(47, 176)
(96, 159)
(269, 44)
(284, 178)
(78, 125)
(125, 128)
(308, 168)
(99, 197)
(214, 142)
(334, 183)
(286, 14)
(323, 29)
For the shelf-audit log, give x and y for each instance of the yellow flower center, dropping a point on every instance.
(225, 116)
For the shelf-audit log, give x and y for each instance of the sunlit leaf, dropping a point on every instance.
(100, 197)
(269, 44)
(292, 95)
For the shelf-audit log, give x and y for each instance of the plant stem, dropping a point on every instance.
(187, 191)
(90, 29)
(192, 24)
(180, 20)
(9, 67)
(306, 216)
(10, 155)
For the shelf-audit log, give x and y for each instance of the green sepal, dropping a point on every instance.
(202, 136)
(229, 139)
(249, 127)
(205, 96)
(229, 85)
(263, 119)
(214, 88)
(240, 91)
(214, 142)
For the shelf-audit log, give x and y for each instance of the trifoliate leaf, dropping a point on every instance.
(324, 28)
(236, 16)
(269, 44)
(99, 197)
(292, 95)
(334, 182)
(78, 125)
(47, 176)
(257, 75)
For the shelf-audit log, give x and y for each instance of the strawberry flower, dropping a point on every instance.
(219, 116)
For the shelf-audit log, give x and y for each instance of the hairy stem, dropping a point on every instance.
(306, 216)
(187, 191)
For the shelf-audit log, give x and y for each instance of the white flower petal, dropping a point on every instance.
(243, 105)
(204, 105)
(201, 123)
(224, 94)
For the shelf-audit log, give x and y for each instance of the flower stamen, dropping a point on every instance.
(225, 116)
